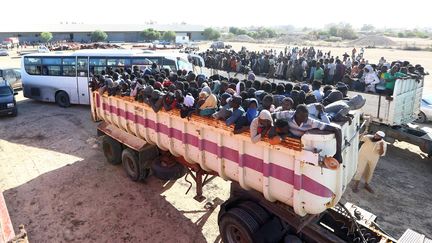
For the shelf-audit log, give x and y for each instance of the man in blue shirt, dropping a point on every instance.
(237, 110)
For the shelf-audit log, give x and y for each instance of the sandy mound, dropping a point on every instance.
(243, 38)
(375, 40)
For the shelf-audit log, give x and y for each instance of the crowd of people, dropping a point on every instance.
(317, 100)
(310, 64)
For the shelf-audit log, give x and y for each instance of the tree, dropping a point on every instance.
(211, 34)
(367, 28)
(150, 34)
(46, 36)
(98, 36)
(237, 31)
(169, 36)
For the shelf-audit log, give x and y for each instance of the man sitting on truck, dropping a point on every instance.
(299, 123)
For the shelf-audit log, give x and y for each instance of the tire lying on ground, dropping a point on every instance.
(112, 150)
(170, 172)
(132, 166)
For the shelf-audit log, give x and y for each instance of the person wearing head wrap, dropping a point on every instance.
(260, 126)
(370, 152)
(208, 105)
(370, 78)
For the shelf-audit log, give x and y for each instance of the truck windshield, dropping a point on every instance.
(5, 91)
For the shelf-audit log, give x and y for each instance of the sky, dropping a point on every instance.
(220, 13)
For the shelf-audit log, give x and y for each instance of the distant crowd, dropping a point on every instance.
(308, 65)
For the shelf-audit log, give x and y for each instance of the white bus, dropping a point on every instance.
(63, 77)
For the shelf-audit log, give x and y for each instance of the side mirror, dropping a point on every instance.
(15, 93)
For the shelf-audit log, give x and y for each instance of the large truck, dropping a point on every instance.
(279, 193)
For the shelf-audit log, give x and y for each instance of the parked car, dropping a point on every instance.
(4, 52)
(425, 109)
(12, 76)
(7, 99)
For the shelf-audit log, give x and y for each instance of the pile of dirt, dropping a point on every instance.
(243, 38)
(373, 40)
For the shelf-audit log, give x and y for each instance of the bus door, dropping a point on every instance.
(83, 80)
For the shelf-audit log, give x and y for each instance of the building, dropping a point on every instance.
(82, 32)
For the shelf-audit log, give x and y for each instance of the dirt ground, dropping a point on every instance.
(56, 181)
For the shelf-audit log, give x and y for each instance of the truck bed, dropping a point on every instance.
(291, 173)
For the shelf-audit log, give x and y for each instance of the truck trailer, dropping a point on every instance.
(279, 193)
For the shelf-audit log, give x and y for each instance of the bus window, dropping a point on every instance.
(51, 61)
(82, 67)
(33, 69)
(68, 68)
(119, 62)
(183, 64)
(51, 70)
(141, 61)
(69, 61)
(97, 61)
(69, 71)
(170, 64)
(156, 60)
(32, 60)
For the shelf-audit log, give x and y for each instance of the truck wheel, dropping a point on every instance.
(256, 211)
(62, 99)
(421, 117)
(237, 225)
(292, 239)
(132, 167)
(112, 150)
(166, 173)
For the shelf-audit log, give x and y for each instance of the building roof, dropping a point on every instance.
(76, 28)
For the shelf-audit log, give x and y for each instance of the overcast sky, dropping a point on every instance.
(310, 13)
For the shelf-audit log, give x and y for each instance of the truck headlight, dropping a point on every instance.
(10, 105)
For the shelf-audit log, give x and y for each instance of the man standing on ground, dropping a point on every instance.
(373, 148)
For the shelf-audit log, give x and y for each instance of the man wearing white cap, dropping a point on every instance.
(372, 149)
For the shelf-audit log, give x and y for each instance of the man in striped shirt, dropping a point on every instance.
(299, 123)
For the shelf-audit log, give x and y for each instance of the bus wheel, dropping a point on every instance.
(112, 150)
(237, 225)
(62, 99)
(132, 167)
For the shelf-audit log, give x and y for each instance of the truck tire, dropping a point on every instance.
(256, 211)
(132, 166)
(166, 173)
(292, 239)
(112, 150)
(237, 225)
(62, 99)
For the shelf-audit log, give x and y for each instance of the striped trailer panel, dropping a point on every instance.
(291, 173)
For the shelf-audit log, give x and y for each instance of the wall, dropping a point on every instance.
(132, 36)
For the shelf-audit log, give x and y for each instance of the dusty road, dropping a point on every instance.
(56, 182)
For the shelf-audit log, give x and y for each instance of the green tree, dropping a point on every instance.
(169, 36)
(367, 28)
(211, 34)
(46, 36)
(98, 36)
(237, 31)
(151, 34)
